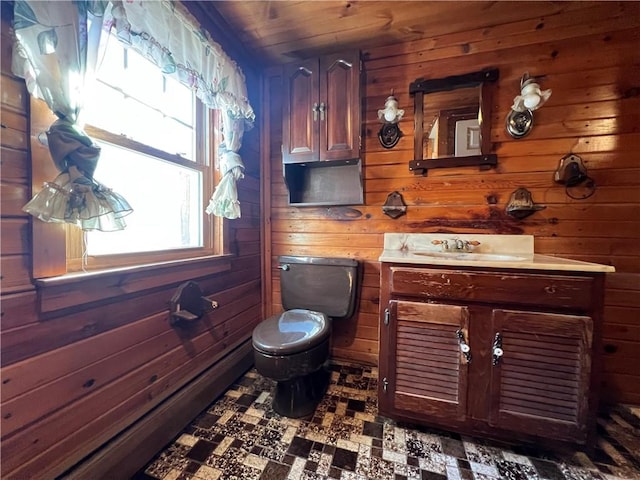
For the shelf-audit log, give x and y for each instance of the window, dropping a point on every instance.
(156, 153)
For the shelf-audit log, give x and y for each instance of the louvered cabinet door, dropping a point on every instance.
(428, 373)
(540, 373)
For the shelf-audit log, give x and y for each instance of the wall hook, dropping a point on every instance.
(572, 173)
(521, 204)
(189, 304)
(394, 206)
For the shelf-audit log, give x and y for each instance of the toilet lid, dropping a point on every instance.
(292, 331)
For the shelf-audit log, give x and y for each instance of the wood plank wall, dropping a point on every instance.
(590, 58)
(73, 378)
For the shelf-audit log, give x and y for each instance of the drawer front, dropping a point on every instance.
(560, 291)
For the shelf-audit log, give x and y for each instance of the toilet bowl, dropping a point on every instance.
(292, 348)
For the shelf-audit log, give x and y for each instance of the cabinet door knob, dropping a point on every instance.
(464, 347)
(322, 109)
(314, 109)
(497, 349)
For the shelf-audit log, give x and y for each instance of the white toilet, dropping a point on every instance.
(293, 347)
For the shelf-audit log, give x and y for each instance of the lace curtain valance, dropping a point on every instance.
(167, 35)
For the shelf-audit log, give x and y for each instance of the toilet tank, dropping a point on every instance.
(326, 285)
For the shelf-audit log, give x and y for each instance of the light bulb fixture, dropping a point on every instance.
(532, 97)
(390, 115)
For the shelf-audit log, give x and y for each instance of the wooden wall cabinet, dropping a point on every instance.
(322, 109)
(505, 354)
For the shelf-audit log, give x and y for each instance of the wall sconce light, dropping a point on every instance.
(390, 115)
(532, 97)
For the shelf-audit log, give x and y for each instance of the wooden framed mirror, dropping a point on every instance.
(452, 123)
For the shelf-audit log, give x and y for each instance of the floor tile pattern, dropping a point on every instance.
(239, 436)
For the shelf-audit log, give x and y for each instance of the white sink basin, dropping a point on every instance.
(489, 251)
(472, 256)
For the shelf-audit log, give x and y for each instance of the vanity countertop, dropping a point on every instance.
(491, 251)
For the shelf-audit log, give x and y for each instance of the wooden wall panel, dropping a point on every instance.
(589, 57)
(14, 165)
(14, 95)
(15, 257)
(80, 365)
(23, 309)
(62, 436)
(36, 388)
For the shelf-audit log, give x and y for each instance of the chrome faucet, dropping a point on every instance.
(456, 245)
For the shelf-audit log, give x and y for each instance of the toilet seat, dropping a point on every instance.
(291, 332)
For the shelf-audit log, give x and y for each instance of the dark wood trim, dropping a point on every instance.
(272, 80)
(418, 119)
(453, 82)
(597, 359)
(487, 95)
(150, 434)
(420, 167)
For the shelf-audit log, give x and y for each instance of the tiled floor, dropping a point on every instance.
(240, 437)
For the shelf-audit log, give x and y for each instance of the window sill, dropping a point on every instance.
(71, 290)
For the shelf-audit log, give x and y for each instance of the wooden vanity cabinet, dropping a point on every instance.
(502, 353)
(322, 109)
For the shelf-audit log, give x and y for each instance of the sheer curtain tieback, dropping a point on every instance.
(55, 51)
(224, 201)
(74, 196)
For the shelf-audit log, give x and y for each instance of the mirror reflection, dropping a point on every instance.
(450, 123)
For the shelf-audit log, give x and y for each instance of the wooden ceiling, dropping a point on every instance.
(272, 32)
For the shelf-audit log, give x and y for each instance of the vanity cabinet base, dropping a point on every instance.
(514, 368)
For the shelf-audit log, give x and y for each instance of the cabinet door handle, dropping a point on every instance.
(322, 109)
(497, 349)
(464, 347)
(314, 109)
